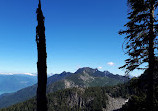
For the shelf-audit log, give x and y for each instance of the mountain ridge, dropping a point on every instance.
(83, 77)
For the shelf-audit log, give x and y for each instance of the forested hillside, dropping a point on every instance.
(82, 78)
(138, 101)
(75, 99)
(96, 98)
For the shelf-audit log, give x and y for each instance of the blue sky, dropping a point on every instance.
(79, 33)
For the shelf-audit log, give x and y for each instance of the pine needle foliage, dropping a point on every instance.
(141, 27)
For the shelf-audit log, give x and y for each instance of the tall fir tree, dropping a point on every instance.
(41, 64)
(140, 40)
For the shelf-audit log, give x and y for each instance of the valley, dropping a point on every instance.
(83, 78)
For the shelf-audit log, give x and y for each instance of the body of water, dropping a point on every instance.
(2, 92)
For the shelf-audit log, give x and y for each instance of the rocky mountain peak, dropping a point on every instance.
(86, 70)
(64, 72)
(107, 73)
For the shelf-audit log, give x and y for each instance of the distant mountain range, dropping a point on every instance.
(82, 78)
(13, 83)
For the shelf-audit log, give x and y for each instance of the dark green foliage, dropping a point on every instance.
(95, 98)
(79, 99)
(57, 82)
(56, 86)
(90, 99)
(138, 100)
(100, 98)
(101, 82)
(140, 41)
(139, 32)
(136, 103)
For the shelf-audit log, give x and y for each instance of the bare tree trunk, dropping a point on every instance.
(41, 64)
(150, 91)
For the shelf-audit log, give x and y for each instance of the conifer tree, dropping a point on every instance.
(41, 64)
(140, 40)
